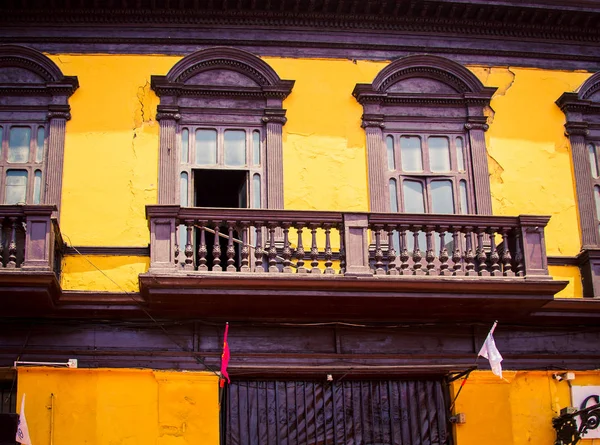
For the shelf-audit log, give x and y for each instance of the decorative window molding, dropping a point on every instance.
(220, 88)
(582, 126)
(33, 113)
(426, 96)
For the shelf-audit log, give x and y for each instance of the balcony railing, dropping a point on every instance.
(29, 239)
(217, 240)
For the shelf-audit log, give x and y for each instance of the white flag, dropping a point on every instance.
(490, 351)
(22, 430)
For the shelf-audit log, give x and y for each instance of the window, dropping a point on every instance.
(424, 119)
(22, 159)
(582, 112)
(222, 109)
(426, 173)
(211, 156)
(34, 107)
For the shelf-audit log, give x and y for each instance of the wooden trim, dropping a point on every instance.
(108, 250)
(559, 260)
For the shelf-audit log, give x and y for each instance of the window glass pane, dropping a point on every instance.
(185, 145)
(412, 157)
(18, 145)
(206, 147)
(39, 152)
(37, 187)
(460, 155)
(464, 206)
(256, 147)
(597, 198)
(442, 198)
(256, 192)
(16, 187)
(393, 196)
(389, 142)
(235, 147)
(439, 154)
(413, 197)
(183, 189)
(593, 160)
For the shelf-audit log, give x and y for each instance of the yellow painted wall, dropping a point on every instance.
(111, 152)
(120, 406)
(515, 411)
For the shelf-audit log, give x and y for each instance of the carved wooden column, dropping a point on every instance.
(168, 156)
(57, 118)
(378, 189)
(577, 131)
(275, 120)
(481, 176)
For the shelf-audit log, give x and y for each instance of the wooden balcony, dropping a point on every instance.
(290, 264)
(30, 255)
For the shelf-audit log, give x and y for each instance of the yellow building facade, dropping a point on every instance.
(123, 291)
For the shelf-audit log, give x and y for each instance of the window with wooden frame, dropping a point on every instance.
(221, 108)
(33, 114)
(425, 122)
(582, 112)
(427, 173)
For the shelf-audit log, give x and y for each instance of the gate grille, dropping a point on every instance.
(375, 412)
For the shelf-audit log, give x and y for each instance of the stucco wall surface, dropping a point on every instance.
(120, 406)
(111, 151)
(515, 411)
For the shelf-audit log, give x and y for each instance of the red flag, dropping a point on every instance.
(225, 359)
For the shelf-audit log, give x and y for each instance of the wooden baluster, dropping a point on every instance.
(342, 249)
(230, 248)
(176, 251)
(404, 256)
(379, 270)
(506, 257)
(189, 247)
(2, 264)
(216, 250)
(300, 250)
(258, 249)
(481, 255)
(457, 253)
(272, 252)
(287, 251)
(519, 266)
(443, 252)
(12, 246)
(469, 255)
(245, 250)
(417, 256)
(314, 250)
(328, 251)
(391, 253)
(202, 249)
(429, 253)
(494, 256)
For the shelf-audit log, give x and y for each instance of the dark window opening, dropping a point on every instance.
(8, 408)
(220, 188)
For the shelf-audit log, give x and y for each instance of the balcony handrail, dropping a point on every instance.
(446, 220)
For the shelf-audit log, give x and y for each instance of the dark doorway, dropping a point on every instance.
(349, 412)
(220, 188)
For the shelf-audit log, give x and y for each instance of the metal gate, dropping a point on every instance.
(374, 412)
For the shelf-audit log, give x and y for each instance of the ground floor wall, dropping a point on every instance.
(142, 406)
(120, 406)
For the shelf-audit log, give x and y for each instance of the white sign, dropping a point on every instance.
(584, 397)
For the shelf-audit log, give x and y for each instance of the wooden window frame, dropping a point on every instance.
(456, 108)
(582, 127)
(213, 102)
(36, 95)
